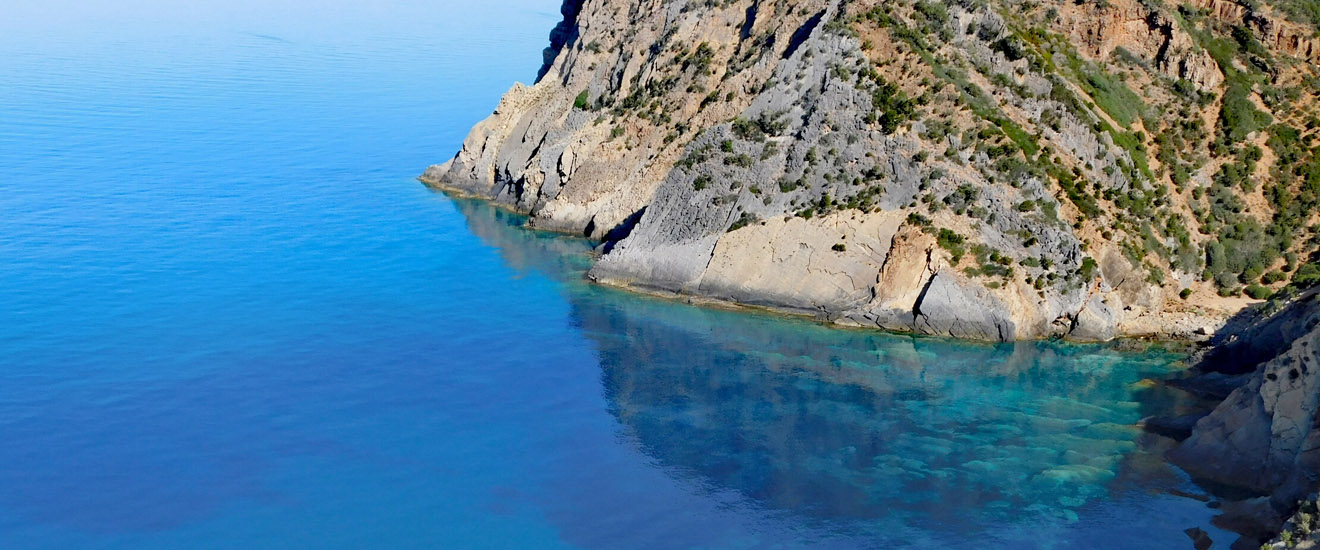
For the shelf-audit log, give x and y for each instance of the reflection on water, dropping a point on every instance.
(886, 435)
(231, 320)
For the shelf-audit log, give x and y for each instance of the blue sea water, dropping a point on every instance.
(230, 318)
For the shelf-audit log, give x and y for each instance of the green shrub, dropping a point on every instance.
(1258, 292)
(891, 105)
(991, 263)
(947, 238)
(767, 124)
(1243, 250)
(1114, 97)
(710, 98)
(918, 220)
(1239, 117)
(738, 160)
(694, 157)
(951, 241)
(962, 198)
(1308, 275)
(839, 247)
(933, 12)
(1088, 269)
(700, 59)
(582, 101)
(743, 220)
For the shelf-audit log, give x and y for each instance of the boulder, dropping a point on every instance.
(1096, 322)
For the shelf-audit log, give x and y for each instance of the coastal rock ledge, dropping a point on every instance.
(967, 169)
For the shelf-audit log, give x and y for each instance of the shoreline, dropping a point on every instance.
(1256, 513)
(1188, 337)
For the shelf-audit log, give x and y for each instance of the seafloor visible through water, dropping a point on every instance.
(230, 318)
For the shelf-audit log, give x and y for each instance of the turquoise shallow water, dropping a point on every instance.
(230, 318)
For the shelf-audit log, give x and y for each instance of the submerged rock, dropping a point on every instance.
(1200, 539)
(1175, 427)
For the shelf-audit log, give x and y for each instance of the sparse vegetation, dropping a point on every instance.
(1193, 181)
(745, 219)
(952, 242)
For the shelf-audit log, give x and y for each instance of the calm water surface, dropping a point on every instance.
(230, 318)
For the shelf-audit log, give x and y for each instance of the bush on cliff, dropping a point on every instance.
(1307, 276)
(1257, 292)
(952, 242)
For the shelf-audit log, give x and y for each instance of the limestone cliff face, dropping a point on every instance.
(946, 168)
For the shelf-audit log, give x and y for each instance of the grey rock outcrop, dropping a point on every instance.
(1264, 438)
(949, 308)
(1096, 322)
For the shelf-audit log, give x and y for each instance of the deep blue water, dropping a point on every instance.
(230, 318)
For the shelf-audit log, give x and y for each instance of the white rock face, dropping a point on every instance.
(793, 262)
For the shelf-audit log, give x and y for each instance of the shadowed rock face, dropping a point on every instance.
(561, 35)
(1256, 336)
(920, 168)
(1265, 437)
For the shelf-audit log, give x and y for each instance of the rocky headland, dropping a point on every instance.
(993, 170)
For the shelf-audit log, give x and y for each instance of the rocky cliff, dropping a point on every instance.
(1263, 441)
(982, 169)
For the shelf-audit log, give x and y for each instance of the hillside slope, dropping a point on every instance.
(982, 169)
